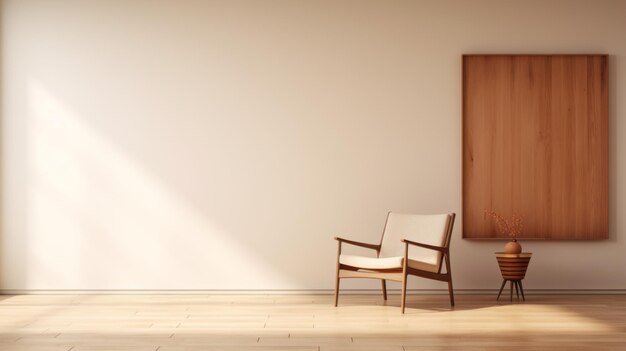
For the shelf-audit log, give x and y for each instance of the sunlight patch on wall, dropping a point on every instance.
(98, 219)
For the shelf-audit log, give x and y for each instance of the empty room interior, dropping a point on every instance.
(312, 175)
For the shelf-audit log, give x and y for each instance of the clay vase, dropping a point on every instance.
(513, 247)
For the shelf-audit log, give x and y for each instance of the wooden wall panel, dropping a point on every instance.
(535, 142)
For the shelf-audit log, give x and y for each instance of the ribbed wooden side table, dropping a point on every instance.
(513, 268)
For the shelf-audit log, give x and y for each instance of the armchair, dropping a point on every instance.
(426, 248)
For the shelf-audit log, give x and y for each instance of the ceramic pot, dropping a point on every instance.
(513, 247)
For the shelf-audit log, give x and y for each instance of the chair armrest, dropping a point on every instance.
(357, 243)
(426, 246)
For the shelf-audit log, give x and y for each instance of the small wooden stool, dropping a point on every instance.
(513, 268)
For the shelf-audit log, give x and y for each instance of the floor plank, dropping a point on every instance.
(309, 322)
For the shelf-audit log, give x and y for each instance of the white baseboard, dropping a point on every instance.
(307, 292)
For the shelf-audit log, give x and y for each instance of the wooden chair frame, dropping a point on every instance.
(398, 274)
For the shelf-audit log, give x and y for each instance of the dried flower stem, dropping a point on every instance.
(512, 227)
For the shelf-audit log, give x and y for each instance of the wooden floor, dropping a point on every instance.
(296, 322)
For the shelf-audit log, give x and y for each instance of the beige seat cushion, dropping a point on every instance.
(384, 263)
(423, 266)
(371, 262)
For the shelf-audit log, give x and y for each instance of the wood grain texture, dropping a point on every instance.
(513, 266)
(310, 322)
(535, 142)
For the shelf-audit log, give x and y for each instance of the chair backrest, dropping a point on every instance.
(426, 229)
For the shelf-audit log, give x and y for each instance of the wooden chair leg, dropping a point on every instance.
(449, 272)
(384, 283)
(403, 298)
(404, 275)
(451, 291)
(337, 290)
(337, 274)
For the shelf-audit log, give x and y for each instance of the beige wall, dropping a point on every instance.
(221, 145)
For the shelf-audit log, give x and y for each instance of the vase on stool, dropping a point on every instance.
(513, 247)
(511, 227)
